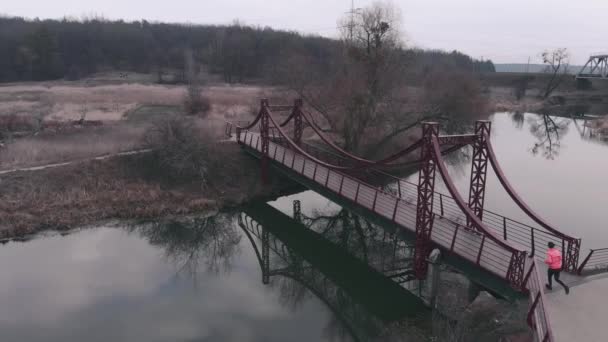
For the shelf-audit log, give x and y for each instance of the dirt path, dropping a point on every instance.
(54, 165)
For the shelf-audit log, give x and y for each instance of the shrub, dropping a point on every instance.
(520, 87)
(195, 102)
(17, 123)
(583, 84)
(182, 151)
(455, 97)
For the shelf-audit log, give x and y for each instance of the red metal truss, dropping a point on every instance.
(424, 209)
(516, 268)
(463, 139)
(479, 168)
(571, 254)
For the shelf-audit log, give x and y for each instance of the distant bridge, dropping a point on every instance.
(488, 247)
(595, 68)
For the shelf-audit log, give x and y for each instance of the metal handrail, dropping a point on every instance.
(449, 235)
(596, 260)
(508, 227)
(538, 315)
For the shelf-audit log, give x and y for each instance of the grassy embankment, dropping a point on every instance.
(125, 187)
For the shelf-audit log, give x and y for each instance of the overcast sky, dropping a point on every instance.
(506, 31)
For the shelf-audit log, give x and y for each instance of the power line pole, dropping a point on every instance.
(351, 25)
(528, 66)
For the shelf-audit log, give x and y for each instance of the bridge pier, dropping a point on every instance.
(435, 278)
(265, 136)
(297, 121)
(265, 256)
(424, 210)
(297, 210)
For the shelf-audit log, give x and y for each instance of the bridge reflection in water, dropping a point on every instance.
(490, 248)
(359, 271)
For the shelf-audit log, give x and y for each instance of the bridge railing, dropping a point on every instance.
(538, 316)
(448, 235)
(531, 238)
(595, 262)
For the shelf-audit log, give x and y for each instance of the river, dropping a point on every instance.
(202, 279)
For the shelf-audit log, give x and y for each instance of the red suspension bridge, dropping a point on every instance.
(487, 244)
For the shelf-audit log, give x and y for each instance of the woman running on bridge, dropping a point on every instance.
(554, 261)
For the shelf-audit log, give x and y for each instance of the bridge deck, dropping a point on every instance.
(448, 235)
(581, 315)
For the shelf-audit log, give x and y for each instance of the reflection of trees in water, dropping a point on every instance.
(548, 132)
(348, 320)
(357, 235)
(297, 281)
(212, 241)
(518, 119)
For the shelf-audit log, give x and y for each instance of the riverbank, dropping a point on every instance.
(124, 187)
(563, 103)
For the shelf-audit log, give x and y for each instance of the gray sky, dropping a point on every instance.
(507, 31)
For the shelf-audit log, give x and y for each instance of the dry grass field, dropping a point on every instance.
(37, 120)
(57, 122)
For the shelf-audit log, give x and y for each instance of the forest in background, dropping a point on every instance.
(38, 50)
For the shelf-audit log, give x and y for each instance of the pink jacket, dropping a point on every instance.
(554, 259)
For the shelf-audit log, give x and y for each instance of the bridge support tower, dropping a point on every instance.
(479, 168)
(424, 210)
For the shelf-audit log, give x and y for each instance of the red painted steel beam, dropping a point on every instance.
(357, 159)
(424, 206)
(574, 244)
(463, 139)
(515, 273)
(479, 168)
(295, 147)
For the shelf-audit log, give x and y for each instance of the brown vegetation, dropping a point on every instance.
(70, 143)
(183, 151)
(557, 62)
(194, 101)
(127, 187)
(367, 96)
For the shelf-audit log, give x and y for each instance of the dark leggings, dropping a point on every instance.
(555, 273)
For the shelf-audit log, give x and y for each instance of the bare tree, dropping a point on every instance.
(362, 94)
(354, 92)
(194, 101)
(557, 62)
(548, 131)
(190, 243)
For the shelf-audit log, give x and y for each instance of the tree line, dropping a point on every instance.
(37, 50)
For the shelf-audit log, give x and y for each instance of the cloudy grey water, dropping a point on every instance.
(559, 172)
(203, 281)
(105, 284)
(200, 279)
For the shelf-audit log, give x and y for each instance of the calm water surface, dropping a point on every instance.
(557, 170)
(201, 279)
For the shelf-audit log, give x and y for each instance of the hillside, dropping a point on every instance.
(35, 50)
